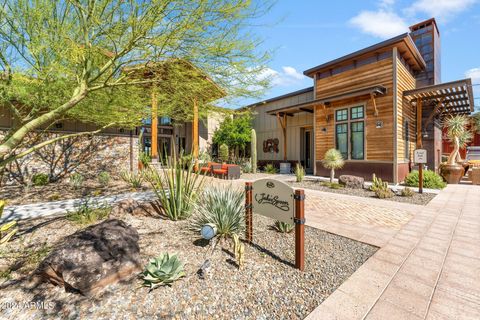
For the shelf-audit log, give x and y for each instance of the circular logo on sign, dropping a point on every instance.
(270, 184)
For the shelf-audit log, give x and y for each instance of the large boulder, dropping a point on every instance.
(91, 259)
(133, 207)
(349, 181)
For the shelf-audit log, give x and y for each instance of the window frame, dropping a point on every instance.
(349, 122)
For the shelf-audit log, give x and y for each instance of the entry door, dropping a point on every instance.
(308, 150)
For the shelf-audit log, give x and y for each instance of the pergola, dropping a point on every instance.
(193, 84)
(450, 98)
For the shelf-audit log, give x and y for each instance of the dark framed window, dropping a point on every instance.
(357, 140)
(341, 115)
(350, 132)
(341, 138)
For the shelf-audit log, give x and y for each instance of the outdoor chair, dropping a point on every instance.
(227, 171)
(208, 169)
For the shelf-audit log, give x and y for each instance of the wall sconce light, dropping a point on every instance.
(379, 124)
(324, 130)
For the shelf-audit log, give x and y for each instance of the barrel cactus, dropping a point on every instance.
(162, 270)
(253, 153)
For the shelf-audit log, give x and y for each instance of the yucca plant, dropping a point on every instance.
(162, 270)
(333, 160)
(283, 227)
(299, 172)
(134, 179)
(177, 187)
(8, 229)
(458, 134)
(223, 207)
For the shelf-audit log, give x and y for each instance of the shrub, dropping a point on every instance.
(384, 193)
(134, 179)
(144, 159)
(223, 207)
(223, 152)
(176, 188)
(270, 169)
(431, 180)
(162, 270)
(331, 185)
(76, 181)
(283, 227)
(88, 211)
(407, 192)
(40, 179)
(247, 166)
(333, 160)
(299, 172)
(378, 184)
(104, 178)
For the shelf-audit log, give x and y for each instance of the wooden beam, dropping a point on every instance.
(306, 110)
(434, 112)
(195, 130)
(154, 124)
(372, 97)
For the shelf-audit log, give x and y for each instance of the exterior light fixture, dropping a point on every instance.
(208, 231)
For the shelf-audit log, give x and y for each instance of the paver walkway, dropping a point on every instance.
(429, 270)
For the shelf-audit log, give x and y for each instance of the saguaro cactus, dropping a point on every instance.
(253, 153)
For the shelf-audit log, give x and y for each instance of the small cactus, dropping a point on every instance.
(7, 230)
(253, 153)
(239, 250)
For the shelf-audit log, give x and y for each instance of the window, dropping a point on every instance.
(350, 132)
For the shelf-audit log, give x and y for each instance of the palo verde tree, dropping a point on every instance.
(80, 59)
(235, 131)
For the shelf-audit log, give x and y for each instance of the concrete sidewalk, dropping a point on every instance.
(429, 270)
(36, 210)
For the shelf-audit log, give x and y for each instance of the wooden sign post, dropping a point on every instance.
(420, 157)
(277, 200)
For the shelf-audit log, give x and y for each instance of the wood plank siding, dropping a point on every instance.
(378, 141)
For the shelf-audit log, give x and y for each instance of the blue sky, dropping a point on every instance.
(306, 33)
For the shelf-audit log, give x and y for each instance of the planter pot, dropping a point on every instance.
(285, 167)
(452, 173)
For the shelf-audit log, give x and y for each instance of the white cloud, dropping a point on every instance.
(382, 23)
(441, 9)
(386, 3)
(288, 76)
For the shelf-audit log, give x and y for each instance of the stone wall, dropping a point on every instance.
(86, 155)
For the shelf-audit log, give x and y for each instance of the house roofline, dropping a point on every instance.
(283, 96)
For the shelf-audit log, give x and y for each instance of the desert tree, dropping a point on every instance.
(79, 59)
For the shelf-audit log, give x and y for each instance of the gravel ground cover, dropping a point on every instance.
(267, 287)
(16, 195)
(417, 198)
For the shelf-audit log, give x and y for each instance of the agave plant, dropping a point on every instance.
(134, 179)
(177, 187)
(8, 229)
(283, 227)
(162, 270)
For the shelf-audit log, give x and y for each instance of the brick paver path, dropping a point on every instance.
(429, 270)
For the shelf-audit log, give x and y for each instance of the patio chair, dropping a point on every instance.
(208, 169)
(227, 171)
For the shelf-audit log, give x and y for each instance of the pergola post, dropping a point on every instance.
(283, 124)
(154, 125)
(419, 143)
(195, 131)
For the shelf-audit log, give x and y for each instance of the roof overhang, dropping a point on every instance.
(403, 42)
(308, 106)
(455, 97)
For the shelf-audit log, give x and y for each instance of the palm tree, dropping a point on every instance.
(333, 160)
(458, 134)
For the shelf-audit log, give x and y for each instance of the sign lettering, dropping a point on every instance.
(273, 199)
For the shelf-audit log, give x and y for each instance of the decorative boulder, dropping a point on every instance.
(93, 258)
(133, 207)
(349, 181)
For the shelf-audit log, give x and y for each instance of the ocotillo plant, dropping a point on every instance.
(253, 153)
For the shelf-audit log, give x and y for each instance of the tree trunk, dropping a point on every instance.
(332, 175)
(452, 158)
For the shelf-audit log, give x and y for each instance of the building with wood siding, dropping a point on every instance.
(365, 104)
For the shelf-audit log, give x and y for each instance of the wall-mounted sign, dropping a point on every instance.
(270, 145)
(420, 156)
(273, 199)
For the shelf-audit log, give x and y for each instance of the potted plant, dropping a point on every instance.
(459, 135)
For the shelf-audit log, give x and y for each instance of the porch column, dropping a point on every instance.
(154, 151)
(283, 123)
(195, 130)
(419, 143)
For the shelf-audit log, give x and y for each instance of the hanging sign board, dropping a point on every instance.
(420, 156)
(273, 199)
